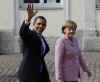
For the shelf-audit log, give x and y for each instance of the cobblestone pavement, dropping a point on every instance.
(9, 65)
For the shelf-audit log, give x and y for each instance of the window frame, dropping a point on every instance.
(97, 4)
(42, 5)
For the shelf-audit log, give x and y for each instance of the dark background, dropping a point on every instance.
(38, 1)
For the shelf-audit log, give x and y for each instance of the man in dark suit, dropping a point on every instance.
(35, 47)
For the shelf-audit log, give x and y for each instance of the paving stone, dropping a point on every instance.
(9, 65)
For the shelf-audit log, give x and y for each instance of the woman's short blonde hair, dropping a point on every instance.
(69, 24)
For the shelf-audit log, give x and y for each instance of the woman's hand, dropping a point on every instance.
(30, 11)
(89, 74)
(60, 80)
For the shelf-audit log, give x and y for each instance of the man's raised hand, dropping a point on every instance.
(30, 11)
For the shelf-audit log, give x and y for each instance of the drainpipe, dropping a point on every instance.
(67, 9)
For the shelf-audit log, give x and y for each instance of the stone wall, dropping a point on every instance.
(8, 43)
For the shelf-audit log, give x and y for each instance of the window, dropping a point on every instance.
(31, 1)
(97, 4)
(42, 4)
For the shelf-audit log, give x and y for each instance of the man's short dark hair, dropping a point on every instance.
(40, 17)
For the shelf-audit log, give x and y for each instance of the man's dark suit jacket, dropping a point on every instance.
(30, 67)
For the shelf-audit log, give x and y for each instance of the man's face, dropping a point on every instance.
(39, 25)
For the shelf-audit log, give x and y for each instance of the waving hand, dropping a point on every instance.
(30, 11)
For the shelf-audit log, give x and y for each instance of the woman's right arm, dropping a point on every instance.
(59, 52)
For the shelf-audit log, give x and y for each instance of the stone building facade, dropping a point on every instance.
(83, 12)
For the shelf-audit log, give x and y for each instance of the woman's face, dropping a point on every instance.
(39, 25)
(69, 32)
